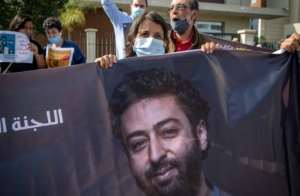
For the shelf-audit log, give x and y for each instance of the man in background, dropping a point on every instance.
(121, 21)
(53, 30)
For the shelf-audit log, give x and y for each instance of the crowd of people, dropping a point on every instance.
(143, 32)
(53, 31)
(149, 34)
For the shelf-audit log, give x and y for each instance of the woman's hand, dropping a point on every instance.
(106, 61)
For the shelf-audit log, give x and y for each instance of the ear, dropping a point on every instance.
(202, 135)
(194, 16)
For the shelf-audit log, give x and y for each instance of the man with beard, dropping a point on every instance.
(161, 120)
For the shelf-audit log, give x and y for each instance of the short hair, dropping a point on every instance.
(153, 83)
(146, 1)
(152, 16)
(18, 22)
(194, 5)
(52, 22)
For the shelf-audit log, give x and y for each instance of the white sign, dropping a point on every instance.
(14, 47)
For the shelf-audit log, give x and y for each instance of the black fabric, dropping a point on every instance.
(291, 124)
(250, 152)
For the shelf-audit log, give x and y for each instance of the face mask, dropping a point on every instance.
(54, 40)
(180, 26)
(148, 47)
(136, 12)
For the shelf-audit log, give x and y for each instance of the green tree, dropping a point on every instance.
(72, 14)
(38, 10)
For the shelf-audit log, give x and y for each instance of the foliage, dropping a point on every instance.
(72, 14)
(38, 10)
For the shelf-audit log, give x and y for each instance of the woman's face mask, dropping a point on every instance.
(136, 12)
(148, 46)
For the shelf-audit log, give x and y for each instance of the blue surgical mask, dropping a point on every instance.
(136, 12)
(180, 26)
(55, 40)
(148, 46)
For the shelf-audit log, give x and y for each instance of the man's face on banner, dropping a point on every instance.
(163, 149)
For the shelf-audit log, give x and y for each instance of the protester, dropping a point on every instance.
(121, 21)
(184, 35)
(144, 39)
(25, 25)
(148, 35)
(53, 30)
(161, 120)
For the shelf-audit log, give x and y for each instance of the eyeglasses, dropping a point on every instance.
(179, 6)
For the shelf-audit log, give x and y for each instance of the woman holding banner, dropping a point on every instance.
(147, 36)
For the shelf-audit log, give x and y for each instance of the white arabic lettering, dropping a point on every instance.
(54, 117)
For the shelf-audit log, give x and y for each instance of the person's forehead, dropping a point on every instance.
(148, 112)
(180, 2)
(150, 26)
(139, 2)
(52, 30)
(28, 24)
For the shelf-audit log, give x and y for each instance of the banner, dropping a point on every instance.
(65, 140)
(59, 57)
(14, 47)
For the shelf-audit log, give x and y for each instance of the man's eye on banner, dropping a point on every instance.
(180, 124)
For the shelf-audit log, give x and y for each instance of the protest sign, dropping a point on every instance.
(14, 47)
(59, 57)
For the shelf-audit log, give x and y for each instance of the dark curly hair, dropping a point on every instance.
(139, 85)
(133, 31)
(52, 22)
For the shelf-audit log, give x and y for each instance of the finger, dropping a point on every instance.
(98, 61)
(206, 49)
(108, 61)
(103, 63)
(115, 59)
(203, 48)
(111, 60)
(212, 47)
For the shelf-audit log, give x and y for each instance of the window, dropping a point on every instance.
(210, 27)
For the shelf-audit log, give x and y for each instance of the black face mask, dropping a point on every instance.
(180, 26)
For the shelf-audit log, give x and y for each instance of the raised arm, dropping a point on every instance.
(115, 15)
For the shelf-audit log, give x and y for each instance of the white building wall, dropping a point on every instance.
(232, 23)
(273, 30)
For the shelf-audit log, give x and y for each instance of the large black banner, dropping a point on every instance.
(56, 133)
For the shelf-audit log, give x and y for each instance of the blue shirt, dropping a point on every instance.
(120, 21)
(78, 57)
